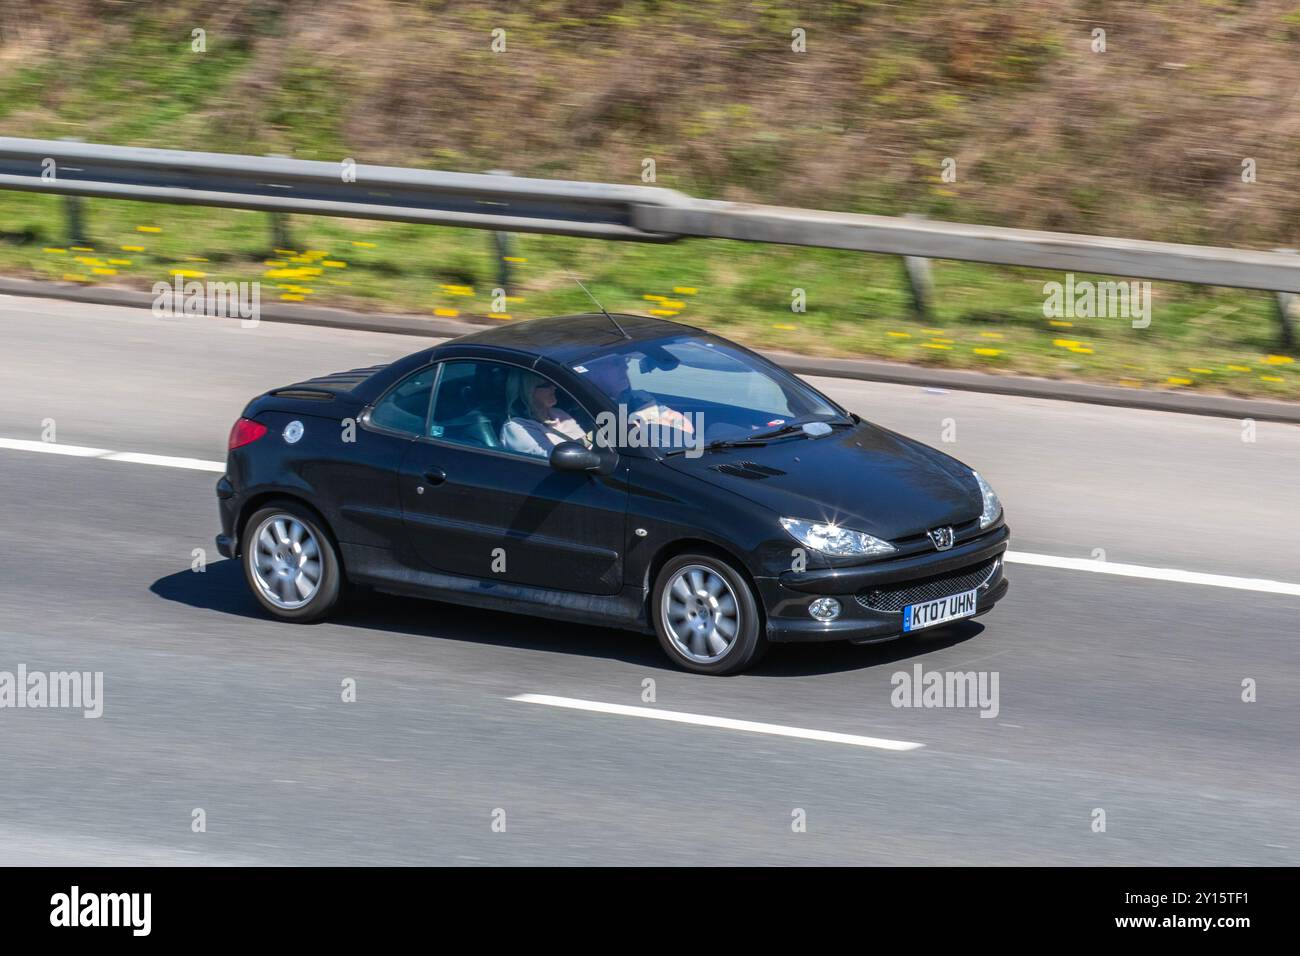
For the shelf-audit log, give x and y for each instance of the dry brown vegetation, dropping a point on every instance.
(1144, 140)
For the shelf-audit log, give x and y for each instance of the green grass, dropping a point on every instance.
(857, 305)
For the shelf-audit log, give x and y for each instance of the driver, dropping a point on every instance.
(609, 373)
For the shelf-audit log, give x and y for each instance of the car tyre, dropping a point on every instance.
(706, 616)
(291, 563)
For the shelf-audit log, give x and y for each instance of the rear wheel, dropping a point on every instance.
(706, 616)
(290, 563)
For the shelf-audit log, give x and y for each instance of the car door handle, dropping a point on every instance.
(435, 476)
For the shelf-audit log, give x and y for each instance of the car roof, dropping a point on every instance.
(571, 338)
(563, 339)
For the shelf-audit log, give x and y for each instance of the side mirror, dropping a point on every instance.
(575, 456)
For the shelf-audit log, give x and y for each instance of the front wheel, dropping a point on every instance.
(290, 563)
(705, 615)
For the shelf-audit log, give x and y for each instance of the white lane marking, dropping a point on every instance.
(725, 723)
(51, 448)
(167, 461)
(132, 457)
(1153, 574)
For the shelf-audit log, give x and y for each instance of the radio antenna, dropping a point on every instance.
(614, 321)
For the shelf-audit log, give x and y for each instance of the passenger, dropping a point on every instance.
(536, 424)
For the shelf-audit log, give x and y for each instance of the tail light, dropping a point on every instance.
(244, 431)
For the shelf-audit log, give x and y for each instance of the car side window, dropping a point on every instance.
(406, 405)
(485, 404)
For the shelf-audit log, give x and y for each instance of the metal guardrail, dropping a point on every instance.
(597, 210)
(1067, 252)
(272, 184)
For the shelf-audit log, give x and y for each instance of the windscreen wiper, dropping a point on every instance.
(812, 429)
(735, 442)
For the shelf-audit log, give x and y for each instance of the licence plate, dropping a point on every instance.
(940, 611)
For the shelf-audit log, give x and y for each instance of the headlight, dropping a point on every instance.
(834, 540)
(992, 506)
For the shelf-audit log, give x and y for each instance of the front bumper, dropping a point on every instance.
(862, 589)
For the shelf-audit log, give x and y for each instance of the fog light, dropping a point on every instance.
(824, 609)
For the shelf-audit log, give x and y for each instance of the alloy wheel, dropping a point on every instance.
(286, 561)
(700, 614)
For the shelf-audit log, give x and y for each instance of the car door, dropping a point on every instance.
(364, 466)
(472, 507)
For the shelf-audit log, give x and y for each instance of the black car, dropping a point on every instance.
(613, 470)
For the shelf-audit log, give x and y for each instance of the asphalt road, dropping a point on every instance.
(1115, 693)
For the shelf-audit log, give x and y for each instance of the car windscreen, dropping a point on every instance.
(725, 388)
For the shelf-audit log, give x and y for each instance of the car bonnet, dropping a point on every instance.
(865, 478)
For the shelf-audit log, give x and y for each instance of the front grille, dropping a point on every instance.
(897, 597)
(920, 542)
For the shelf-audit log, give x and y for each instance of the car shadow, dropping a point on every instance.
(221, 588)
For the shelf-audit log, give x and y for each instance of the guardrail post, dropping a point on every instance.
(920, 282)
(75, 220)
(280, 238)
(1288, 305)
(502, 246)
(74, 211)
